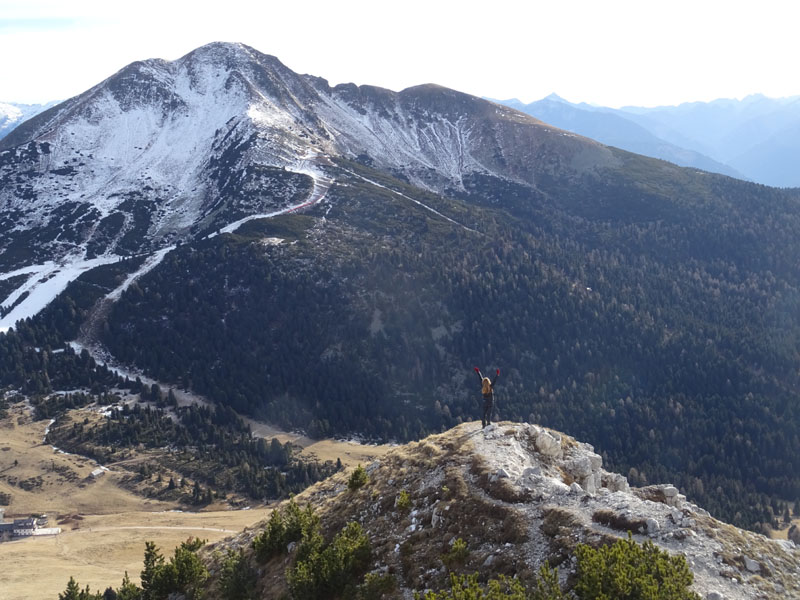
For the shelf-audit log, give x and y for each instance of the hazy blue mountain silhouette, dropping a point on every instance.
(754, 138)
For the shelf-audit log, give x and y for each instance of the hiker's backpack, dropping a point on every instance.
(486, 386)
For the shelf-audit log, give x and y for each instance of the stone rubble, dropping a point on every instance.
(562, 472)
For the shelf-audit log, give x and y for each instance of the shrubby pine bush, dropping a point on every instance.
(358, 478)
(237, 579)
(403, 501)
(627, 571)
(466, 587)
(457, 555)
(330, 571)
(624, 570)
(376, 586)
(284, 527)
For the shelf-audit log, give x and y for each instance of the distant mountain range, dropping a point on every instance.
(13, 114)
(757, 138)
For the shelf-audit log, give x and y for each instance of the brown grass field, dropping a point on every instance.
(102, 547)
(783, 532)
(104, 526)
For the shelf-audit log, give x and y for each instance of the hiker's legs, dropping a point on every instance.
(487, 411)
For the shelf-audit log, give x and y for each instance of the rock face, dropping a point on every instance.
(548, 443)
(519, 495)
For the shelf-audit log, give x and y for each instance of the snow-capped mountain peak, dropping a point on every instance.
(169, 150)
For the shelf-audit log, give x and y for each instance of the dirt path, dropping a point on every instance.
(162, 528)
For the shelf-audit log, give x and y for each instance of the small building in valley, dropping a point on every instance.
(29, 526)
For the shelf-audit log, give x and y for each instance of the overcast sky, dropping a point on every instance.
(608, 52)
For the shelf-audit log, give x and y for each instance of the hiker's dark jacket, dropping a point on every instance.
(492, 382)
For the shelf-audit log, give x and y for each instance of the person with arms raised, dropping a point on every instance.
(487, 389)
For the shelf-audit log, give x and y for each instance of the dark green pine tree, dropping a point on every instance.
(128, 590)
(153, 563)
(73, 591)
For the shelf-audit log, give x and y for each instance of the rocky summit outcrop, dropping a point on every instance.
(520, 495)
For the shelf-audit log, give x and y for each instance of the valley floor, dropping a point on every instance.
(104, 525)
(98, 549)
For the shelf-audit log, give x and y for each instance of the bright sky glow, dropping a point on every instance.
(614, 53)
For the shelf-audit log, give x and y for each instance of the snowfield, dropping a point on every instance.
(46, 282)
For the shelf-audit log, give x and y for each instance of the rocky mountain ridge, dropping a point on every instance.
(521, 495)
(148, 155)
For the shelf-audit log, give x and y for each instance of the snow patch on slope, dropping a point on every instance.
(46, 282)
(397, 139)
(148, 265)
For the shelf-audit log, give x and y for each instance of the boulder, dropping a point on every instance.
(614, 482)
(589, 484)
(751, 565)
(652, 526)
(579, 467)
(596, 460)
(531, 472)
(665, 494)
(499, 474)
(436, 518)
(548, 444)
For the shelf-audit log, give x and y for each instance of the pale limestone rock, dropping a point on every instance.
(589, 484)
(596, 460)
(652, 526)
(548, 444)
(531, 472)
(436, 518)
(579, 467)
(614, 482)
